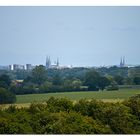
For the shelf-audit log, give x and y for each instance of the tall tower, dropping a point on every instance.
(122, 62)
(48, 62)
(57, 62)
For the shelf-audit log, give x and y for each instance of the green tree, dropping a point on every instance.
(112, 86)
(5, 81)
(119, 79)
(56, 80)
(70, 123)
(92, 80)
(16, 122)
(46, 87)
(120, 119)
(57, 105)
(93, 108)
(77, 84)
(6, 96)
(128, 81)
(134, 104)
(39, 74)
(67, 85)
(110, 78)
(134, 72)
(103, 82)
(136, 80)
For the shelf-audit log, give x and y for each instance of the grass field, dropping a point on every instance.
(103, 95)
(107, 96)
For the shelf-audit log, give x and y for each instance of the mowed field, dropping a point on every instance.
(107, 96)
(102, 95)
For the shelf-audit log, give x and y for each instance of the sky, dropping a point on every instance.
(78, 36)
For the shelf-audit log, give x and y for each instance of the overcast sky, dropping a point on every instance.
(78, 36)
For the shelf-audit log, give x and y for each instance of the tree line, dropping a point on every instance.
(78, 79)
(42, 80)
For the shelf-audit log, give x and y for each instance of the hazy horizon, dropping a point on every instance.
(78, 36)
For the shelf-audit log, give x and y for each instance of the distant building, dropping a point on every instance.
(49, 65)
(10, 67)
(18, 67)
(5, 67)
(122, 62)
(17, 82)
(48, 62)
(29, 67)
(57, 62)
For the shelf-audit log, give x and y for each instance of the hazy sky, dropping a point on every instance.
(78, 36)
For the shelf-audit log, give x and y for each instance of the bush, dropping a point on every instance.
(16, 122)
(5, 81)
(91, 108)
(6, 96)
(136, 80)
(134, 104)
(61, 116)
(71, 123)
(37, 107)
(120, 119)
(59, 104)
(115, 115)
(113, 86)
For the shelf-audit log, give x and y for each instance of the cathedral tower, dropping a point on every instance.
(122, 62)
(48, 62)
(57, 62)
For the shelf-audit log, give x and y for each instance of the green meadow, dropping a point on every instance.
(102, 95)
(106, 96)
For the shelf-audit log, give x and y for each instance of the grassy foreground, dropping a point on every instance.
(102, 95)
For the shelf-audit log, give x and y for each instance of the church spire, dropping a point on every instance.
(122, 62)
(57, 62)
(48, 62)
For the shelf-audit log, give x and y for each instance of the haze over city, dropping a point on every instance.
(78, 36)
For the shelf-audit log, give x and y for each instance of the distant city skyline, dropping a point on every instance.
(56, 64)
(78, 36)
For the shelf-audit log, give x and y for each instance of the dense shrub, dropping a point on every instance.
(62, 116)
(59, 104)
(116, 115)
(112, 86)
(119, 118)
(23, 89)
(91, 108)
(15, 123)
(134, 104)
(136, 80)
(37, 107)
(6, 96)
(70, 123)
(5, 81)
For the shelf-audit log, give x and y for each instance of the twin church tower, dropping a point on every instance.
(50, 65)
(122, 62)
(56, 63)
